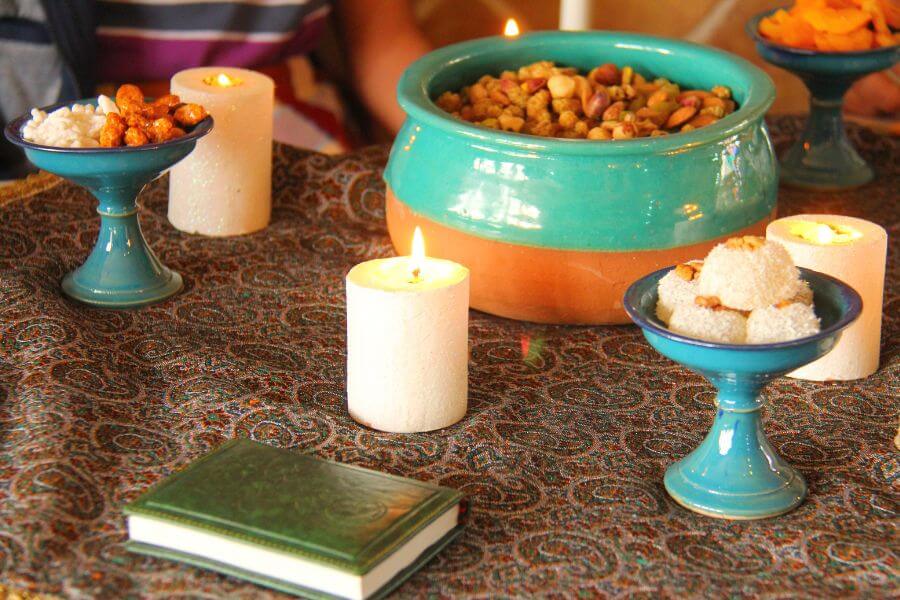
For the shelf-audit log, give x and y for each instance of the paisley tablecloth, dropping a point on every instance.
(562, 452)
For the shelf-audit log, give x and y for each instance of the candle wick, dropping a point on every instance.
(415, 275)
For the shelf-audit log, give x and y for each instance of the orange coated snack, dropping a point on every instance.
(834, 25)
(139, 122)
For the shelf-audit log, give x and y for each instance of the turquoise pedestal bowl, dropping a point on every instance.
(554, 230)
(735, 473)
(823, 157)
(121, 271)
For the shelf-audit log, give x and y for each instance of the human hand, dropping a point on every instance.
(876, 95)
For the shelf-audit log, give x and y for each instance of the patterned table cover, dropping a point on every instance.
(562, 452)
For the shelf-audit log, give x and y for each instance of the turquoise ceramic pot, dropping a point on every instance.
(823, 157)
(121, 271)
(576, 220)
(735, 473)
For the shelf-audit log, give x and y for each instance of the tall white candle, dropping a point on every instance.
(407, 343)
(854, 251)
(224, 187)
(575, 15)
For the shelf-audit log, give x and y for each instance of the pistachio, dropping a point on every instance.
(694, 101)
(657, 98)
(681, 116)
(583, 89)
(702, 120)
(546, 99)
(597, 103)
(561, 86)
(533, 84)
(654, 116)
(613, 111)
(606, 74)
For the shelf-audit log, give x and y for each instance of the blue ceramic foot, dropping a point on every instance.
(735, 473)
(823, 157)
(121, 271)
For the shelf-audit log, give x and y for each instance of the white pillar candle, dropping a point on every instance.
(575, 15)
(854, 251)
(224, 187)
(407, 342)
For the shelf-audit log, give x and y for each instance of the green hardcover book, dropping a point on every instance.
(295, 523)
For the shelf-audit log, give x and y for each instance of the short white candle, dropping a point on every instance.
(407, 342)
(575, 15)
(854, 251)
(224, 187)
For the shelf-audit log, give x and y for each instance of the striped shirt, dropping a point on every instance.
(152, 39)
(147, 41)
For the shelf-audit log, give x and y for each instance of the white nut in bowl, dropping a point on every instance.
(106, 105)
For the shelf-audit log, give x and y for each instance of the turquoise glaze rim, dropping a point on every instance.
(649, 194)
(415, 96)
(735, 473)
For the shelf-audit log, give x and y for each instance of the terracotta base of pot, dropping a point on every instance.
(543, 285)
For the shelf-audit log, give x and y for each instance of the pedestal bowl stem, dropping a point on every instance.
(121, 270)
(823, 157)
(735, 473)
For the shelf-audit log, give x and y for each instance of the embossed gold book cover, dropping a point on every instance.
(294, 522)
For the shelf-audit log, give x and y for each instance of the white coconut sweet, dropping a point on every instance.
(677, 287)
(749, 272)
(782, 323)
(713, 325)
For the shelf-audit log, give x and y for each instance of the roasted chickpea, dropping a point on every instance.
(113, 131)
(158, 130)
(169, 100)
(129, 92)
(135, 137)
(190, 114)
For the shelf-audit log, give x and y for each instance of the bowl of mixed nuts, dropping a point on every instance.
(562, 166)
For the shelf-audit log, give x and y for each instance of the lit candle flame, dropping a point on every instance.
(824, 233)
(511, 29)
(222, 80)
(417, 257)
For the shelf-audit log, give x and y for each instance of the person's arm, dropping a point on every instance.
(383, 40)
